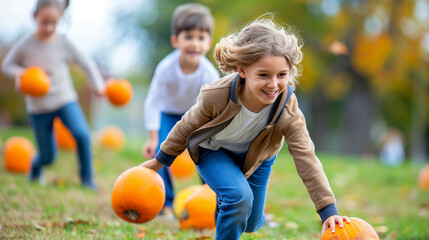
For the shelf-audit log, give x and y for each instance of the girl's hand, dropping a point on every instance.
(152, 164)
(330, 222)
(149, 149)
(98, 92)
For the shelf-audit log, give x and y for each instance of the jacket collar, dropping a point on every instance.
(278, 105)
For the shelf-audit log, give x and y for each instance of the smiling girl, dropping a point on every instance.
(240, 123)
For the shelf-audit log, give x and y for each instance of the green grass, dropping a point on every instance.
(388, 198)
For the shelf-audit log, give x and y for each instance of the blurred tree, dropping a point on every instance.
(364, 61)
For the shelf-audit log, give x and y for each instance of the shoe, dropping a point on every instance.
(90, 185)
(166, 213)
(37, 178)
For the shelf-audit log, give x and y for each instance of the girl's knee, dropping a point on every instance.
(241, 198)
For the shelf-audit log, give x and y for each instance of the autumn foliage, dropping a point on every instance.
(35, 82)
(18, 154)
(138, 195)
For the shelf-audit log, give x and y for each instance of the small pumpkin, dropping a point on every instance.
(424, 178)
(138, 195)
(18, 153)
(112, 137)
(356, 229)
(183, 166)
(199, 209)
(35, 81)
(181, 197)
(119, 92)
(63, 136)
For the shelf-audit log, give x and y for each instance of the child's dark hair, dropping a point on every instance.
(60, 4)
(192, 16)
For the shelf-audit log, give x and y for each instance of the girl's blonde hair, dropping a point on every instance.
(260, 38)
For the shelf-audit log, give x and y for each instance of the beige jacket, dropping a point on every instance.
(215, 109)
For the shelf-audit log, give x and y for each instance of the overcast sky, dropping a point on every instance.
(89, 24)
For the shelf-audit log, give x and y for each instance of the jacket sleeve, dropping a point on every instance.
(308, 166)
(199, 114)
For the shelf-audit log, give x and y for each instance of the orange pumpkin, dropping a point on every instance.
(63, 136)
(181, 197)
(35, 82)
(18, 154)
(138, 195)
(112, 137)
(199, 209)
(119, 92)
(356, 229)
(183, 166)
(424, 178)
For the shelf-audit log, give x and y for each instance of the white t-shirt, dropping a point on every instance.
(239, 134)
(172, 91)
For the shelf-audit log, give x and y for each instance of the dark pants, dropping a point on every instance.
(73, 118)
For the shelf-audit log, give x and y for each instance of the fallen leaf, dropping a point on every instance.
(381, 230)
(291, 225)
(140, 235)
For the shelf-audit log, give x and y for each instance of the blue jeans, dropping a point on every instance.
(167, 123)
(73, 118)
(241, 201)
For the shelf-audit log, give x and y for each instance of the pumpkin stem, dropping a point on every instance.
(132, 215)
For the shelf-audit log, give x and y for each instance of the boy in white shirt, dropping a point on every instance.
(177, 81)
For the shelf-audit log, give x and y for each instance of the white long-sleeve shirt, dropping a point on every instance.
(172, 91)
(54, 57)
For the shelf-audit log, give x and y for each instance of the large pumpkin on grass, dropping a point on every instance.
(181, 197)
(119, 92)
(199, 211)
(35, 82)
(424, 178)
(183, 166)
(18, 154)
(357, 229)
(63, 136)
(112, 137)
(138, 195)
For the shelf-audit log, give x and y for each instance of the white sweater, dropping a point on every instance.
(54, 57)
(172, 91)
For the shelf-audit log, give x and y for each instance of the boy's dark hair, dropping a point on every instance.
(192, 16)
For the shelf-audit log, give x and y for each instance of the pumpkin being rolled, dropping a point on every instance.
(138, 195)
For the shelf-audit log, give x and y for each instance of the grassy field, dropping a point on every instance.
(388, 198)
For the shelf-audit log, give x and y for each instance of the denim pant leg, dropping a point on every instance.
(73, 118)
(167, 123)
(42, 125)
(235, 198)
(258, 181)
